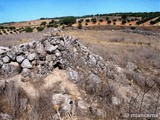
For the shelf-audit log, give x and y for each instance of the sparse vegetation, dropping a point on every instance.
(94, 20)
(79, 26)
(109, 22)
(87, 20)
(40, 29)
(100, 20)
(43, 23)
(68, 21)
(107, 18)
(28, 29)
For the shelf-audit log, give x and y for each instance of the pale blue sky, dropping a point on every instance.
(21, 10)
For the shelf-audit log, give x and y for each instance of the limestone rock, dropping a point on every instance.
(11, 55)
(5, 116)
(26, 64)
(6, 69)
(3, 50)
(32, 56)
(20, 58)
(73, 75)
(26, 72)
(63, 101)
(6, 59)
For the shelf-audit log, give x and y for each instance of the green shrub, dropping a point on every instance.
(133, 28)
(12, 28)
(52, 25)
(68, 21)
(79, 26)
(114, 20)
(80, 21)
(107, 18)
(119, 19)
(108, 22)
(40, 29)
(28, 29)
(1, 27)
(94, 20)
(43, 23)
(100, 20)
(124, 16)
(87, 20)
(51, 22)
(123, 22)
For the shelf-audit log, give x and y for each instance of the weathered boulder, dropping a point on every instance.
(26, 64)
(32, 56)
(5, 69)
(11, 55)
(40, 48)
(32, 44)
(26, 72)
(5, 116)
(1, 63)
(20, 58)
(6, 59)
(50, 48)
(3, 50)
(63, 100)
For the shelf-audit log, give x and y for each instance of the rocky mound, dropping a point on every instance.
(58, 78)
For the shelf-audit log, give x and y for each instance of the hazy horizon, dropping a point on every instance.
(15, 10)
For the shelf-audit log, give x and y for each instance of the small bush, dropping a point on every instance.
(43, 23)
(28, 29)
(87, 20)
(128, 21)
(107, 18)
(119, 19)
(124, 16)
(108, 22)
(114, 20)
(40, 29)
(133, 28)
(51, 22)
(12, 28)
(94, 20)
(123, 22)
(68, 21)
(152, 22)
(79, 26)
(80, 21)
(1, 27)
(100, 20)
(52, 25)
